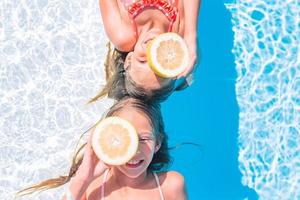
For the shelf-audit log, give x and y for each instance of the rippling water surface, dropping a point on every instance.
(51, 63)
(51, 58)
(267, 57)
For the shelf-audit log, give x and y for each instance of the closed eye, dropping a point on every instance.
(145, 139)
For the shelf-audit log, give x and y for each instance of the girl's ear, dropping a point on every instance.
(128, 60)
(157, 147)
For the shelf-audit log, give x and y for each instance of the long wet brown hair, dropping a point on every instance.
(120, 84)
(161, 158)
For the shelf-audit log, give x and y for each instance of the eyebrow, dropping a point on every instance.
(145, 134)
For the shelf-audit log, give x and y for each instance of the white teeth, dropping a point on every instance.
(133, 162)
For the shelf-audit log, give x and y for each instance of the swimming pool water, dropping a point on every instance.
(243, 108)
(266, 50)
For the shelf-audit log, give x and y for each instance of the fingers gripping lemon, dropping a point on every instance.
(168, 55)
(115, 141)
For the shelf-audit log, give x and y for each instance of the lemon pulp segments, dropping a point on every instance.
(115, 141)
(167, 55)
(114, 145)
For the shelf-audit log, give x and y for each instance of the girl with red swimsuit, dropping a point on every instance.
(130, 25)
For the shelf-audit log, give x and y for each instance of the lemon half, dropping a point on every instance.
(115, 141)
(168, 55)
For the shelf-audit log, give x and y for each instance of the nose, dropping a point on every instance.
(140, 54)
(141, 51)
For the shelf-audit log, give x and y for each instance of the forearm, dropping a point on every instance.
(191, 11)
(77, 189)
(118, 31)
(109, 10)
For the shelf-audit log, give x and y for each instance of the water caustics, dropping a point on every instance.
(267, 58)
(51, 58)
(51, 63)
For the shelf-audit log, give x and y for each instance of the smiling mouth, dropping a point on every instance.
(134, 163)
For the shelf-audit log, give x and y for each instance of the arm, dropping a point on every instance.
(77, 190)
(180, 188)
(191, 11)
(90, 169)
(176, 189)
(118, 32)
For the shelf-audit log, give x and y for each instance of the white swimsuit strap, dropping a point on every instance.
(103, 183)
(158, 185)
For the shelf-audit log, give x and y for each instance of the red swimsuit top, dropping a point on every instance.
(167, 7)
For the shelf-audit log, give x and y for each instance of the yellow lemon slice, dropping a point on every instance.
(115, 141)
(168, 55)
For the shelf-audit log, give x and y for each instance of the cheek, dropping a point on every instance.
(164, 81)
(147, 148)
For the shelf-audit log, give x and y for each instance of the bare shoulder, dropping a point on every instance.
(173, 185)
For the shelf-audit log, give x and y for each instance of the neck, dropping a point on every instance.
(125, 181)
(152, 26)
(150, 20)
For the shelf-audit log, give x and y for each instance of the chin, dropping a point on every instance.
(133, 173)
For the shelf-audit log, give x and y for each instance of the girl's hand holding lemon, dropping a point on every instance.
(192, 51)
(90, 168)
(114, 141)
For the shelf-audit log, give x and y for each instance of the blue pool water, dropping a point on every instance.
(207, 113)
(243, 108)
